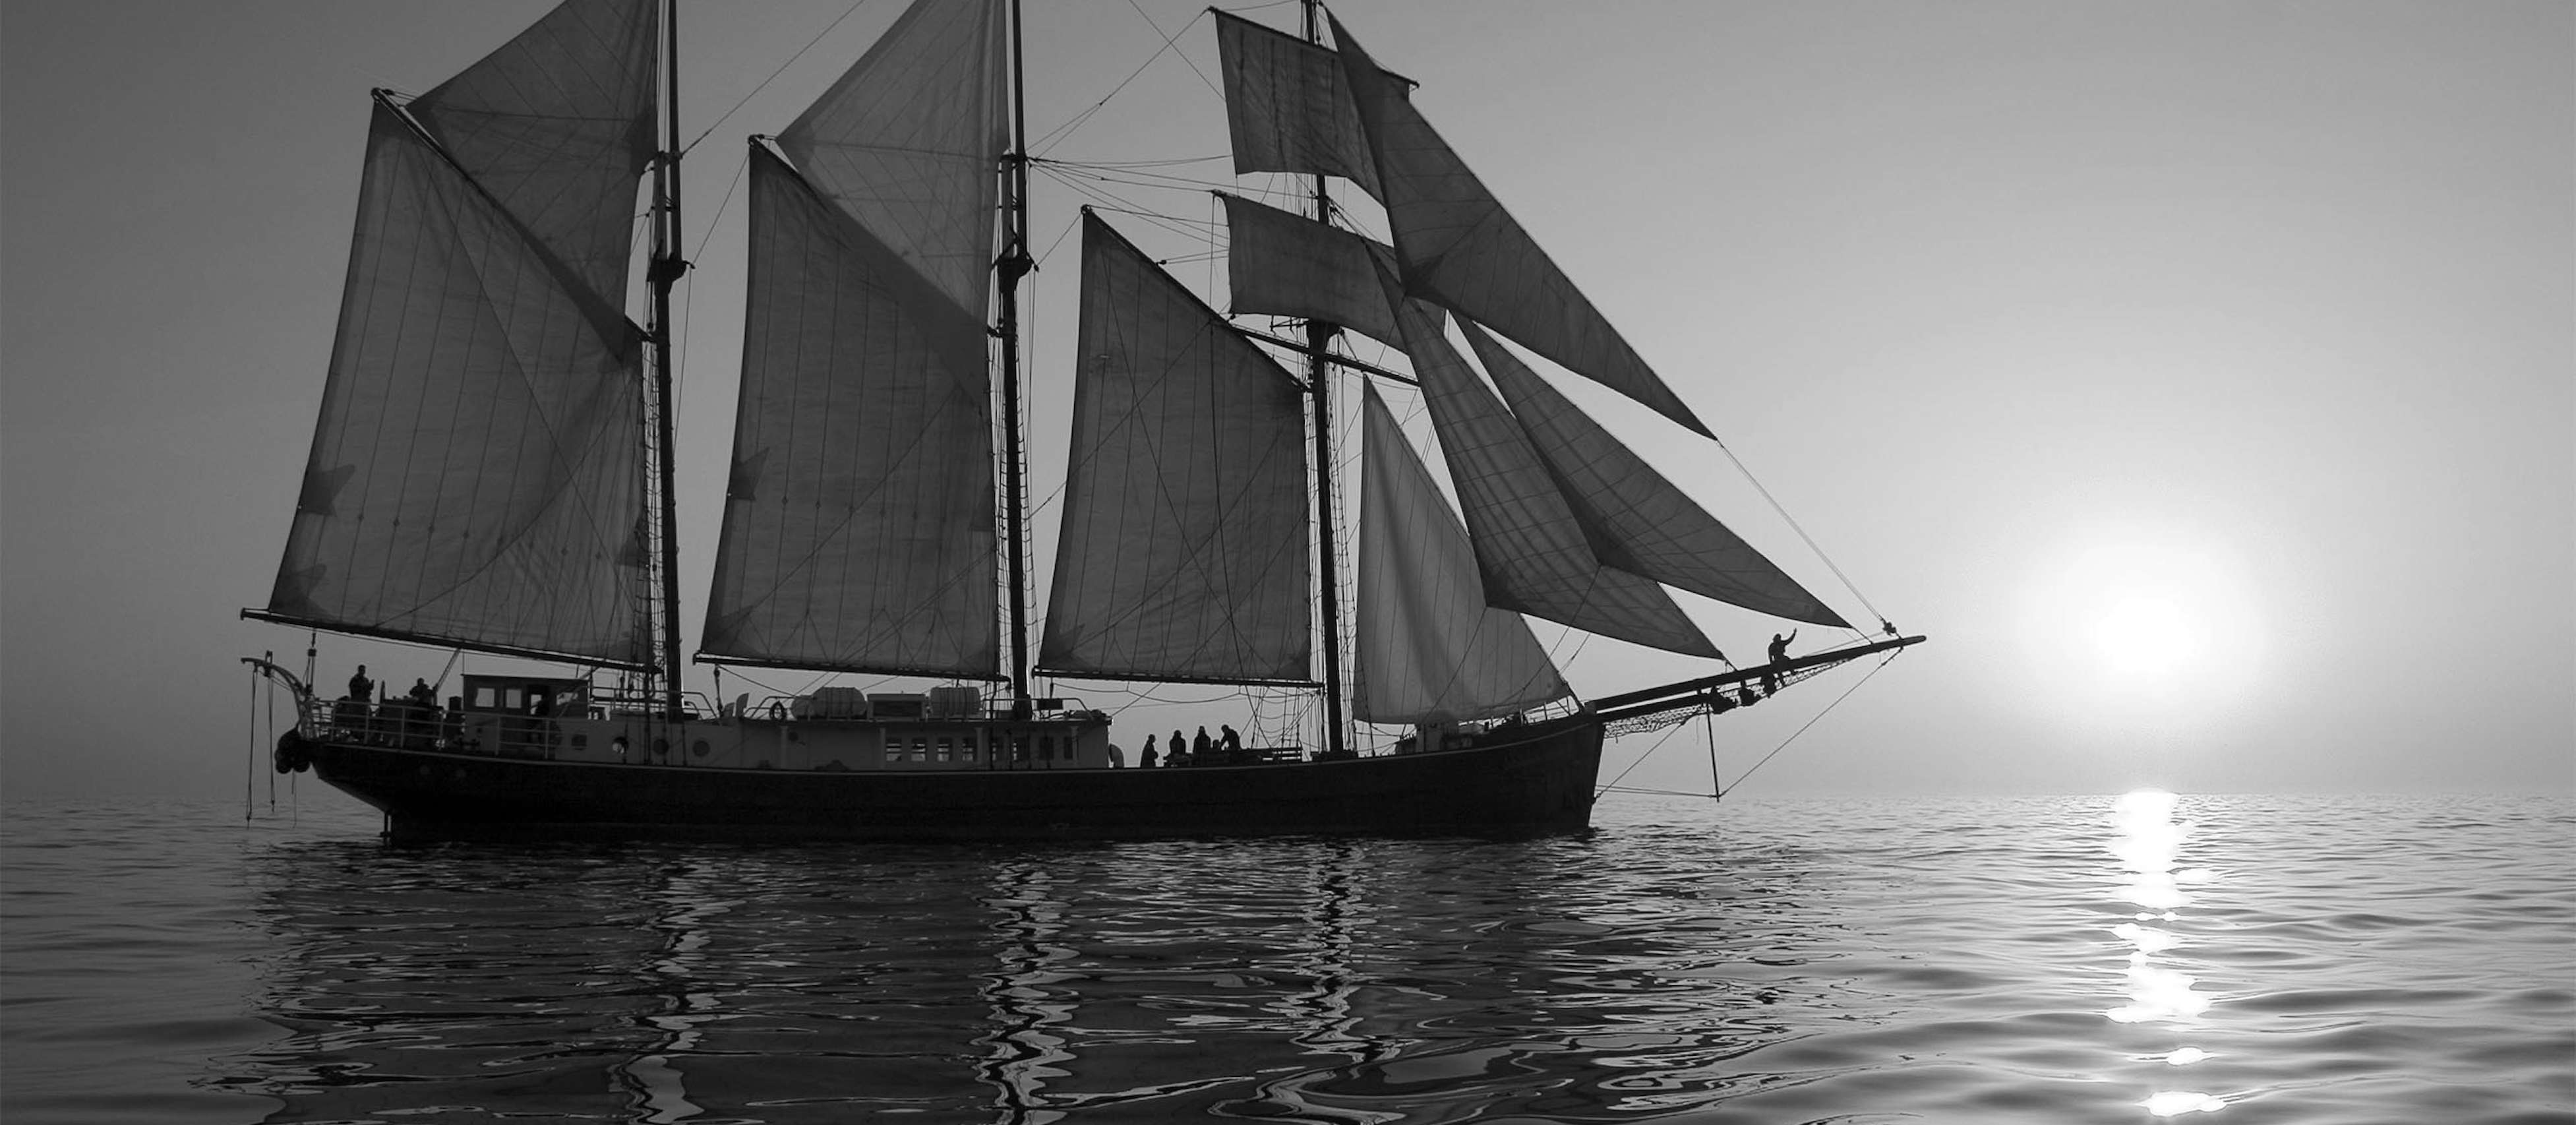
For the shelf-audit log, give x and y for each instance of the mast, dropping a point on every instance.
(1013, 265)
(665, 271)
(1319, 338)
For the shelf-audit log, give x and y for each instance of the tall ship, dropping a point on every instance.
(493, 471)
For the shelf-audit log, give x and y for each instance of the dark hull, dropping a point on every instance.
(1538, 780)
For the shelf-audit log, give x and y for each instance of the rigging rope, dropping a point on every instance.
(1632, 766)
(1060, 133)
(1793, 735)
(1720, 791)
(712, 126)
(1803, 537)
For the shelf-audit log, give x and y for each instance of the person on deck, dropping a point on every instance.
(1230, 741)
(1146, 760)
(423, 696)
(361, 688)
(1200, 745)
(1779, 652)
(1172, 755)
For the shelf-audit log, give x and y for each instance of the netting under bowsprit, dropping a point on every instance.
(1711, 701)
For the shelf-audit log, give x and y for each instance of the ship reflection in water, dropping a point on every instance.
(2024, 961)
(1317, 980)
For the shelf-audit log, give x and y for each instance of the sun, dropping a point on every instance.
(2133, 620)
(2149, 632)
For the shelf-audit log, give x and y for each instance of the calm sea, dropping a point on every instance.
(2222, 959)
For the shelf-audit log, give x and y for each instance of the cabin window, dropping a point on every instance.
(966, 749)
(484, 699)
(514, 699)
(893, 749)
(944, 751)
(920, 749)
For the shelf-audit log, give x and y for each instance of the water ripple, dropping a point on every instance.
(1858, 961)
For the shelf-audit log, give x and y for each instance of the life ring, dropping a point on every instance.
(294, 754)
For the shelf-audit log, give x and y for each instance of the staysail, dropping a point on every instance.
(473, 477)
(1430, 650)
(1634, 518)
(1183, 552)
(1530, 547)
(1461, 249)
(858, 525)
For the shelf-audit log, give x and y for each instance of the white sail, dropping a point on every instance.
(1529, 545)
(1183, 552)
(1460, 248)
(473, 477)
(1289, 265)
(1430, 650)
(1288, 107)
(1635, 519)
(858, 520)
(909, 144)
(557, 125)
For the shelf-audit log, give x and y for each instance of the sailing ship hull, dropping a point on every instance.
(1537, 779)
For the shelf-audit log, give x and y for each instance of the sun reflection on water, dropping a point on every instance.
(2148, 843)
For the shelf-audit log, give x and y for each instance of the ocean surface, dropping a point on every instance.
(2117, 959)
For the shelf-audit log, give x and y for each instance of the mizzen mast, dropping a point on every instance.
(1319, 339)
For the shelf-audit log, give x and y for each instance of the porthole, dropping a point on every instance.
(700, 748)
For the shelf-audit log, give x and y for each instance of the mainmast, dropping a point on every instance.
(1319, 339)
(663, 273)
(1013, 265)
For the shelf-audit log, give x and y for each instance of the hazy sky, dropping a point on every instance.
(2201, 376)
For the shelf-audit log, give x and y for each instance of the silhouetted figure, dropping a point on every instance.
(1231, 742)
(1779, 652)
(1146, 760)
(352, 710)
(423, 696)
(1174, 752)
(1200, 745)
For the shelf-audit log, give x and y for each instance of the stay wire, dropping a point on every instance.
(1802, 729)
(712, 126)
(1641, 760)
(1792, 521)
(1171, 45)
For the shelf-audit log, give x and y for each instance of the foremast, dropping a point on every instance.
(1010, 267)
(665, 272)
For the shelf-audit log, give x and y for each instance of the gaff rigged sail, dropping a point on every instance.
(1183, 554)
(473, 478)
